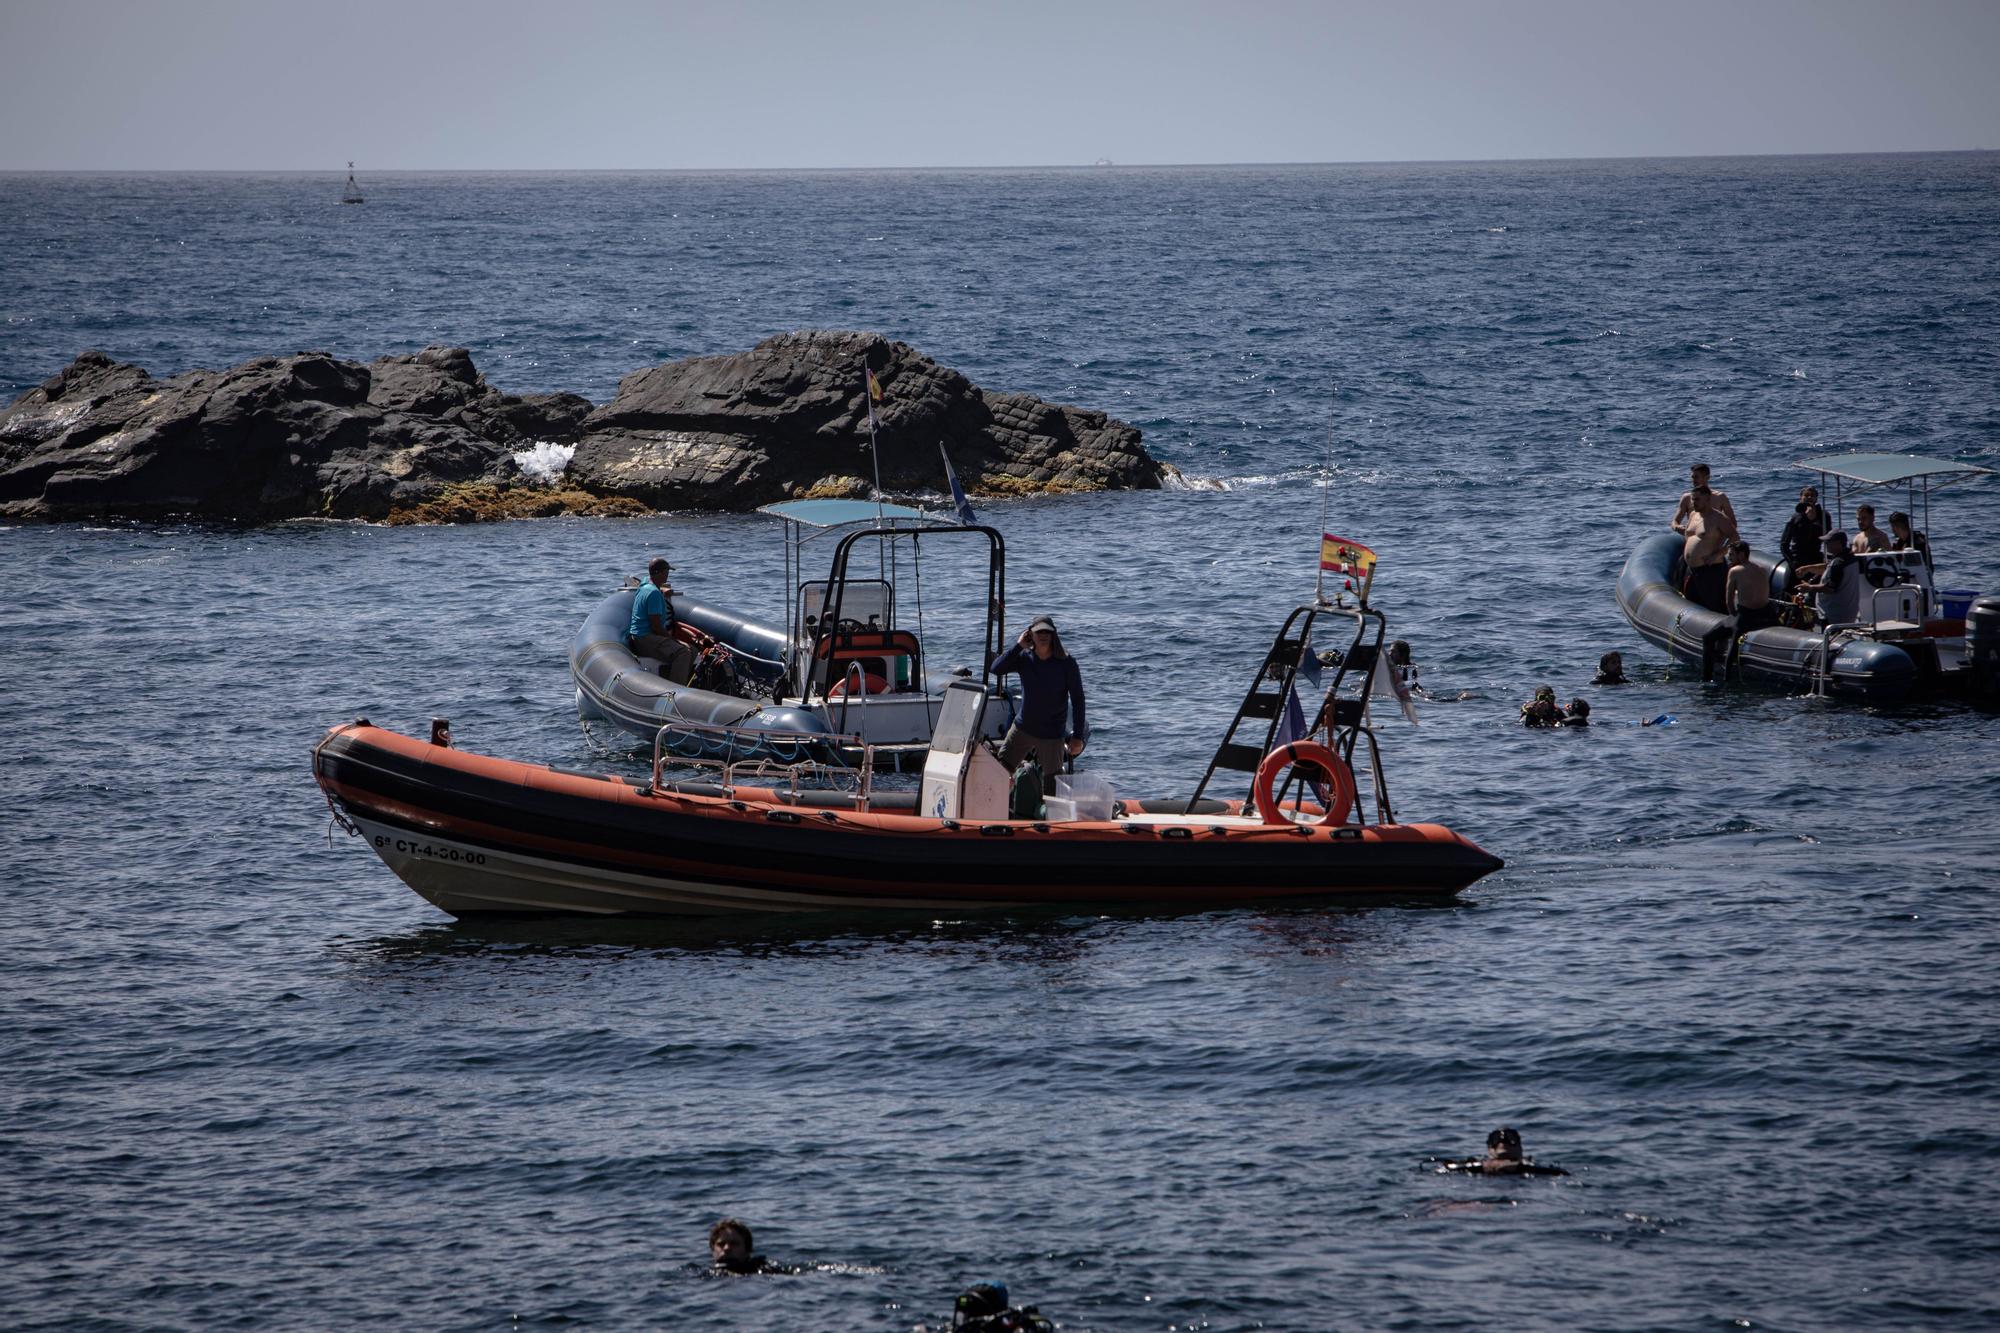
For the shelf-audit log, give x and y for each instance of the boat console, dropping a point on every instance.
(963, 778)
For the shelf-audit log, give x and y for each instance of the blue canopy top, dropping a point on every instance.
(835, 513)
(1882, 469)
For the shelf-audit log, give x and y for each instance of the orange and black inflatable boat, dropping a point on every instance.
(474, 834)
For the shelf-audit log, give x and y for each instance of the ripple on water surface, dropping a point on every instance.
(1736, 977)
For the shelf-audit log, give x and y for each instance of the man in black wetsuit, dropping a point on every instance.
(983, 1308)
(1503, 1158)
(1051, 692)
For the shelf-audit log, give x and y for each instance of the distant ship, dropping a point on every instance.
(1101, 162)
(352, 194)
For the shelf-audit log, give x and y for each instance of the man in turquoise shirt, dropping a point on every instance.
(650, 632)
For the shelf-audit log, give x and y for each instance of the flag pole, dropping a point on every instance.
(868, 391)
(1325, 484)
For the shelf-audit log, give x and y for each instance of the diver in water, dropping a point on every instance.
(983, 1308)
(1610, 670)
(1503, 1158)
(1542, 710)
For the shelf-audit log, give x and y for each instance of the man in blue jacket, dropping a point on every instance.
(1051, 687)
(650, 632)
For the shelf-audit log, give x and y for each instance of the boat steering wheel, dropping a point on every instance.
(1883, 574)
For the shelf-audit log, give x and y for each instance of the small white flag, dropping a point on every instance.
(1387, 682)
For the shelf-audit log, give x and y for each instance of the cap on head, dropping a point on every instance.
(1834, 538)
(659, 566)
(1041, 623)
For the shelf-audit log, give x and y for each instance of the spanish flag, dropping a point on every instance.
(874, 385)
(1341, 556)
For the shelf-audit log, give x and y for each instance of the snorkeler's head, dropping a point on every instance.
(1545, 692)
(979, 1301)
(1504, 1142)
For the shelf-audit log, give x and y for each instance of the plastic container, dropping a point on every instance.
(1090, 794)
(1060, 809)
(1953, 603)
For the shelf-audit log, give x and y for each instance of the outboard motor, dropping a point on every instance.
(1982, 645)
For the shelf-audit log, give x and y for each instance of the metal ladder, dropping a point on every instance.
(1263, 704)
(1347, 717)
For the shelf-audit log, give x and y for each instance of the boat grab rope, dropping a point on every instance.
(337, 816)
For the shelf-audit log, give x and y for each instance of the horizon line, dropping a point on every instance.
(1102, 165)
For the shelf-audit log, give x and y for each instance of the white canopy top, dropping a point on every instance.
(1888, 469)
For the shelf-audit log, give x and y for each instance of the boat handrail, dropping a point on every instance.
(857, 683)
(1898, 591)
(754, 739)
(1823, 650)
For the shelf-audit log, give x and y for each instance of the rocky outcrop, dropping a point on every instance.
(425, 438)
(790, 417)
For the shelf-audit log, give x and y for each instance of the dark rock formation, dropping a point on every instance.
(789, 417)
(424, 437)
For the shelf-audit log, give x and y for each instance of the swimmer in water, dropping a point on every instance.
(1577, 714)
(731, 1249)
(1542, 710)
(983, 1308)
(1610, 670)
(1503, 1158)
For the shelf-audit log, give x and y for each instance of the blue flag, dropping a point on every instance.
(1292, 727)
(957, 491)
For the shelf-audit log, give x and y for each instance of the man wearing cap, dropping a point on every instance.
(1837, 587)
(1051, 692)
(651, 630)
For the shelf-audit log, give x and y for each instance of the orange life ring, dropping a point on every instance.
(876, 685)
(1304, 752)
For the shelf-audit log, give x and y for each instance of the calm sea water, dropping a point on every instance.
(1739, 975)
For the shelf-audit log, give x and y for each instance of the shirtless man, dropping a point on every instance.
(1707, 537)
(1746, 593)
(1868, 537)
(1698, 480)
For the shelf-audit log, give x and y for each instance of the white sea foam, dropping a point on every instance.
(1186, 481)
(545, 463)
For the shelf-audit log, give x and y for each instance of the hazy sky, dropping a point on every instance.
(414, 84)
